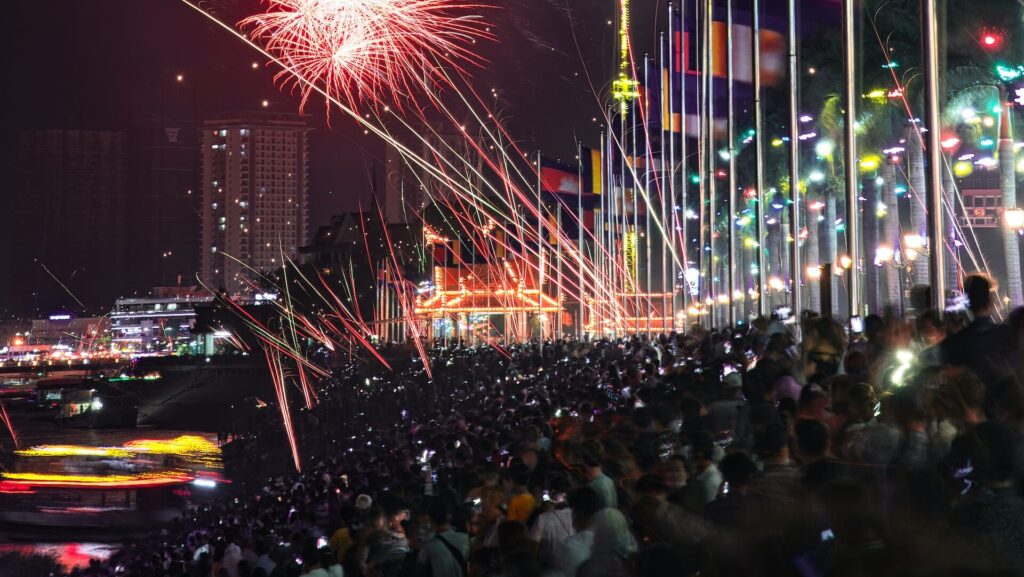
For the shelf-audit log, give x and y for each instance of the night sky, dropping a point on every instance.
(111, 64)
(101, 65)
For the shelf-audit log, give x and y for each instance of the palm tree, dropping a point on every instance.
(1008, 188)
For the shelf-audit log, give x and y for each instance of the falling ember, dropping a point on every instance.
(368, 51)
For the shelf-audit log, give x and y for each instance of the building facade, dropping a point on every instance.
(65, 222)
(255, 196)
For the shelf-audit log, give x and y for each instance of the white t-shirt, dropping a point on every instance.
(573, 551)
(550, 529)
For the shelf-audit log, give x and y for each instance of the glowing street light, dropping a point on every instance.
(775, 283)
(846, 262)
(884, 254)
(914, 241)
(1014, 218)
(813, 272)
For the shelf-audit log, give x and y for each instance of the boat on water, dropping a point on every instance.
(141, 483)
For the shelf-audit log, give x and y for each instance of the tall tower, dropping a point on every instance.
(255, 195)
(624, 87)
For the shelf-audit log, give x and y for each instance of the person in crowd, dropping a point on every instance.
(447, 550)
(585, 503)
(615, 456)
(984, 346)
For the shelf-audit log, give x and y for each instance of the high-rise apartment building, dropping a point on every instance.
(255, 195)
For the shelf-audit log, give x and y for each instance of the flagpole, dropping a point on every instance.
(755, 36)
(621, 207)
(666, 234)
(710, 153)
(672, 217)
(933, 202)
(702, 160)
(730, 148)
(579, 235)
(795, 273)
(540, 258)
(647, 189)
(635, 266)
(850, 164)
(557, 321)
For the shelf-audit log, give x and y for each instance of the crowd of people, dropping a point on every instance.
(744, 451)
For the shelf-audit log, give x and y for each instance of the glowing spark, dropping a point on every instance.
(368, 51)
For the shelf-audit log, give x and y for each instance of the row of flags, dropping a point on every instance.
(580, 187)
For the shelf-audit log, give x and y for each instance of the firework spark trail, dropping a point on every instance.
(522, 199)
(7, 423)
(368, 51)
(277, 376)
(509, 187)
(63, 286)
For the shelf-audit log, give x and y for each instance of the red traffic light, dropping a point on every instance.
(991, 39)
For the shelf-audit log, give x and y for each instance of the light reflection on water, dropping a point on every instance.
(69, 555)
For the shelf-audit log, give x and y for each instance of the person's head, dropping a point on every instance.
(651, 486)
(824, 358)
(673, 472)
(772, 443)
(528, 456)
(489, 475)
(519, 475)
(813, 400)
(862, 402)
(440, 512)
(374, 518)
(811, 439)
(979, 287)
(591, 456)
(585, 502)
(737, 470)
(702, 448)
(397, 514)
(930, 329)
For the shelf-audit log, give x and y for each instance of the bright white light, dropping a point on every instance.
(1014, 218)
(914, 241)
(816, 176)
(814, 272)
(806, 118)
(824, 147)
(205, 483)
(884, 254)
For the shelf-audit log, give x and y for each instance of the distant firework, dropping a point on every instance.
(369, 52)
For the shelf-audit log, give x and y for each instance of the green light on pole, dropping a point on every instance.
(1009, 73)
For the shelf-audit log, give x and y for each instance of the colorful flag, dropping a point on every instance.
(593, 169)
(558, 178)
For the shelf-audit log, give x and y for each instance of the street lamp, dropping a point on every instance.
(913, 244)
(814, 273)
(846, 262)
(884, 254)
(1014, 218)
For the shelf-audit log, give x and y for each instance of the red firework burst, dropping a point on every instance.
(375, 52)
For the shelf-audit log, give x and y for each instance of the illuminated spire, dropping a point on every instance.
(624, 87)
